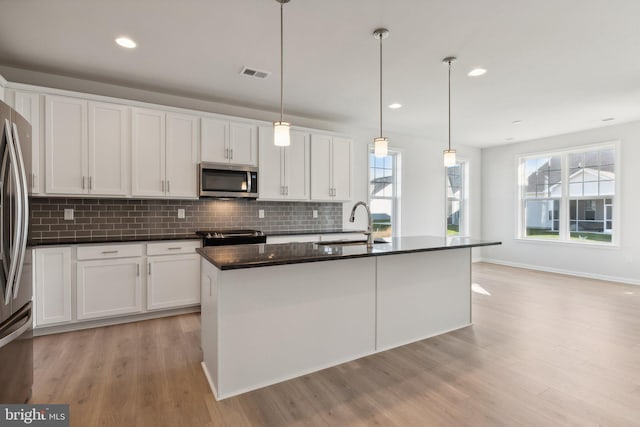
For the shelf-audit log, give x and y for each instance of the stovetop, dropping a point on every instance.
(229, 234)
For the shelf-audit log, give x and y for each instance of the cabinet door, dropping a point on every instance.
(341, 157)
(214, 142)
(182, 156)
(173, 281)
(270, 184)
(321, 186)
(108, 149)
(28, 105)
(243, 144)
(148, 159)
(52, 285)
(108, 287)
(296, 166)
(66, 145)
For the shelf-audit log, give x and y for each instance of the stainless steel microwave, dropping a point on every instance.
(228, 181)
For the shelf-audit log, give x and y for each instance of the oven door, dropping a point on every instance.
(220, 180)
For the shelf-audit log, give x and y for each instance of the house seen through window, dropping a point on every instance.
(384, 193)
(569, 196)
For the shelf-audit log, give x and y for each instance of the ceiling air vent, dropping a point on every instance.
(252, 72)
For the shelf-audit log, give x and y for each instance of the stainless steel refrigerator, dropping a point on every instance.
(16, 343)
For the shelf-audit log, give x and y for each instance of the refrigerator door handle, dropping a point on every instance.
(12, 165)
(24, 191)
(25, 317)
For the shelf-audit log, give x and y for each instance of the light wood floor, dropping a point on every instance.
(544, 350)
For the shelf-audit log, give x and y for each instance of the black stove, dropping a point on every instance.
(231, 237)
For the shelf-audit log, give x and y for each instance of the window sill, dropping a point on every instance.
(572, 244)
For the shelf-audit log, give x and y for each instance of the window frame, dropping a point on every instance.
(397, 187)
(465, 166)
(564, 237)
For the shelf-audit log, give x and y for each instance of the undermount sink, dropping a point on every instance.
(349, 242)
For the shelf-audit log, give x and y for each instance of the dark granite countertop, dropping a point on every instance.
(110, 239)
(263, 255)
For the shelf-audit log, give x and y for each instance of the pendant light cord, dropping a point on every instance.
(281, 61)
(449, 105)
(380, 85)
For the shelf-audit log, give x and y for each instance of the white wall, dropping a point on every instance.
(499, 211)
(423, 183)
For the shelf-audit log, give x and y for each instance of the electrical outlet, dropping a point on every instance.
(68, 214)
(315, 213)
(260, 213)
(181, 213)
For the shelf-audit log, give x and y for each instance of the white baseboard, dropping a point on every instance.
(79, 325)
(625, 280)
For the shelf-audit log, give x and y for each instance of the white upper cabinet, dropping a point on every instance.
(108, 149)
(284, 171)
(182, 155)
(223, 141)
(165, 158)
(66, 145)
(86, 147)
(28, 105)
(330, 168)
(148, 152)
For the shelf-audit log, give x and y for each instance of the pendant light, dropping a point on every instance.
(281, 134)
(380, 144)
(449, 155)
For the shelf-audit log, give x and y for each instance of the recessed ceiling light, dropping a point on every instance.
(477, 72)
(608, 119)
(126, 42)
(395, 106)
(516, 122)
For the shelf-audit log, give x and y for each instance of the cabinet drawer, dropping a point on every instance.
(173, 247)
(342, 236)
(109, 251)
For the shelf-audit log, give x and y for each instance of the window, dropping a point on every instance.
(456, 203)
(569, 196)
(384, 193)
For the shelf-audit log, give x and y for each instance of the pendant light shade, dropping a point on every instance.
(380, 144)
(449, 154)
(281, 134)
(380, 147)
(281, 129)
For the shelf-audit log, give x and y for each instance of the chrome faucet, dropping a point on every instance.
(369, 232)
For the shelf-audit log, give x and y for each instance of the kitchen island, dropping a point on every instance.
(271, 312)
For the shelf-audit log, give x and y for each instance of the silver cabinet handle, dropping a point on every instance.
(162, 185)
(149, 270)
(138, 270)
(33, 181)
(177, 248)
(109, 252)
(83, 182)
(90, 183)
(286, 190)
(168, 186)
(226, 153)
(231, 153)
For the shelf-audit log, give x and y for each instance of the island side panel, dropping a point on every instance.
(421, 295)
(280, 322)
(209, 322)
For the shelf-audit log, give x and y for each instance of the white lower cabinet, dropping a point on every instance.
(109, 287)
(77, 284)
(173, 281)
(52, 267)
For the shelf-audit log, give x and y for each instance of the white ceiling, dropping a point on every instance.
(557, 65)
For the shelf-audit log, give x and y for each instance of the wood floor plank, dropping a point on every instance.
(544, 350)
